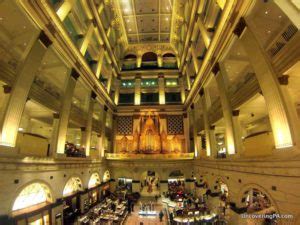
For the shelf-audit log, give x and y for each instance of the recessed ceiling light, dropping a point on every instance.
(268, 31)
(167, 19)
(126, 10)
(127, 20)
(129, 29)
(24, 27)
(1, 18)
(25, 44)
(266, 12)
(279, 16)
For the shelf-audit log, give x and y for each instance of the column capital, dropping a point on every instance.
(94, 21)
(216, 68)
(56, 115)
(83, 129)
(240, 27)
(201, 92)
(235, 112)
(212, 127)
(93, 95)
(138, 76)
(105, 108)
(284, 79)
(161, 75)
(7, 89)
(44, 39)
(75, 74)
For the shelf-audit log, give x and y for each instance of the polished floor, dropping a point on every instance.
(135, 219)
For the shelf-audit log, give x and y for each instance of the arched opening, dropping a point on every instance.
(169, 61)
(150, 183)
(129, 62)
(257, 201)
(149, 60)
(176, 185)
(168, 55)
(106, 176)
(149, 57)
(94, 180)
(72, 186)
(33, 195)
(130, 56)
(94, 195)
(71, 199)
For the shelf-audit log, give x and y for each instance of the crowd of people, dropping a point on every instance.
(71, 150)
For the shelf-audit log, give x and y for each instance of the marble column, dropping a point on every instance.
(86, 139)
(4, 102)
(139, 61)
(102, 138)
(159, 60)
(204, 33)
(65, 110)
(87, 38)
(54, 135)
(221, 76)
(137, 91)
(195, 58)
(100, 61)
(110, 80)
(117, 90)
(20, 90)
(186, 126)
(182, 89)
(161, 90)
(195, 130)
(280, 120)
(64, 9)
(209, 133)
(187, 76)
(238, 133)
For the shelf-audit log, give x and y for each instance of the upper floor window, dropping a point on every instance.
(149, 83)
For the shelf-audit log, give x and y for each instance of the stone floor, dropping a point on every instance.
(135, 219)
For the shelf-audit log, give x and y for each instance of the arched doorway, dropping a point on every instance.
(94, 195)
(257, 201)
(150, 183)
(176, 185)
(106, 176)
(72, 199)
(32, 197)
(94, 180)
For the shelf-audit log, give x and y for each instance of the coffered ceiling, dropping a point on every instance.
(146, 20)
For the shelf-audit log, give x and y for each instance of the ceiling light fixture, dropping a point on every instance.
(266, 12)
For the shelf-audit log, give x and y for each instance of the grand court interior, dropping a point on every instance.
(145, 112)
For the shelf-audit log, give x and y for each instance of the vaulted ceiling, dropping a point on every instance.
(147, 20)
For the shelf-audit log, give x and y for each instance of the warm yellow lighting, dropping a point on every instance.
(31, 195)
(106, 176)
(73, 185)
(221, 3)
(94, 180)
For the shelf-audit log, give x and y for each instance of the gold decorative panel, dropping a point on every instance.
(125, 125)
(175, 124)
(150, 135)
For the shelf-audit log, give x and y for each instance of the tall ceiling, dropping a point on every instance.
(147, 20)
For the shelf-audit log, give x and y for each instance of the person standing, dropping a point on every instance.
(161, 216)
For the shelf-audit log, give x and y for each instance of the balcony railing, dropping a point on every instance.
(121, 156)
